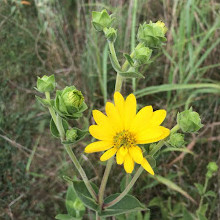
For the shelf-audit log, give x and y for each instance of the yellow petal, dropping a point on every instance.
(158, 117)
(136, 154)
(114, 116)
(151, 133)
(102, 119)
(128, 164)
(101, 132)
(119, 103)
(98, 146)
(119, 158)
(130, 110)
(123, 151)
(108, 154)
(147, 166)
(142, 119)
(165, 133)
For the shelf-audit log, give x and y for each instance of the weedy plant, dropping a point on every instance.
(133, 137)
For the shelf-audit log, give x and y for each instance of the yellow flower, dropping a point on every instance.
(121, 130)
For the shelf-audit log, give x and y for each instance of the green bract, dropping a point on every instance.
(78, 205)
(46, 83)
(176, 140)
(212, 166)
(71, 135)
(69, 103)
(142, 55)
(189, 121)
(101, 20)
(110, 34)
(152, 34)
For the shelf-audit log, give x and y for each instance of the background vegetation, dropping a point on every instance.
(40, 37)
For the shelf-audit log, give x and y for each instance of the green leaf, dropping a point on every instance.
(129, 59)
(210, 193)
(123, 182)
(156, 201)
(201, 216)
(199, 187)
(126, 205)
(43, 102)
(53, 127)
(70, 199)
(202, 211)
(131, 74)
(172, 186)
(147, 216)
(84, 195)
(115, 66)
(65, 217)
(187, 215)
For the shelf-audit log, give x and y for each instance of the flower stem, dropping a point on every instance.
(104, 181)
(204, 190)
(58, 122)
(81, 171)
(138, 173)
(126, 190)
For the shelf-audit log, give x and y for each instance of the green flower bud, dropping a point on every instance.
(142, 55)
(69, 103)
(189, 121)
(101, 20)
(46, 83)
(110, 34)
(78, 205)
(176, 140)
(152, 34)
(212, 166)
(73, 98)
(71, 135)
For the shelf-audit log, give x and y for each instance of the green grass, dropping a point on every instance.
(58, 38)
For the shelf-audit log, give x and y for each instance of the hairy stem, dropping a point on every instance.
(81, 171)
(58, 122)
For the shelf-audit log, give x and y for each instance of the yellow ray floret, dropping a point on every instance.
(121, 130)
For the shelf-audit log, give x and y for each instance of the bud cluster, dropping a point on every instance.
(68, 104)
(189, 121)
(152, 34)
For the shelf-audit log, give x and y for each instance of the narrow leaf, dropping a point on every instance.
(173, 186)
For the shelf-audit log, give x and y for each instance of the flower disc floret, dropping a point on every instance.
(124, 139)
(121, 130)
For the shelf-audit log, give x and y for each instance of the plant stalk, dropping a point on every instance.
(58, 122)
(81, 171)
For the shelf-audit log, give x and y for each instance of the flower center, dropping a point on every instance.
(124, 139)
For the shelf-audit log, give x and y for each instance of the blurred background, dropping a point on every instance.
(56, 37)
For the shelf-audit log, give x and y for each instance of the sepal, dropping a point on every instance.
(43, 102)
(46, 83)
(101, 20)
